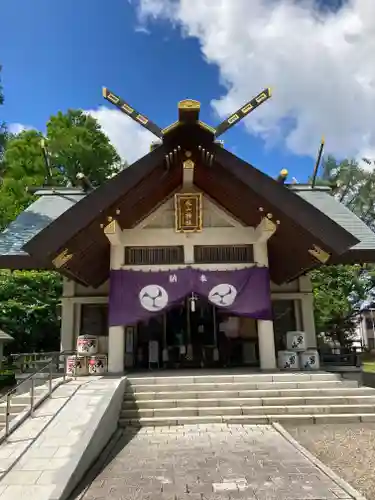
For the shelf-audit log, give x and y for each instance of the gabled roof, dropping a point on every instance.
(322, 199)
(74, 223)
(50, 205)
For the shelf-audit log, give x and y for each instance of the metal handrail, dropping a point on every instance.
(31, 378)
(32, 359)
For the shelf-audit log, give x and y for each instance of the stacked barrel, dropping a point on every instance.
(298, 356)
(87, 361)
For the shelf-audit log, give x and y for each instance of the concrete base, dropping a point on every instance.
(76, 435)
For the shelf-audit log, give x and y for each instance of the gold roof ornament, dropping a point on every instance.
(189, 104)
(319, 254)
(188, 164)
(62, 258)
(111, 227)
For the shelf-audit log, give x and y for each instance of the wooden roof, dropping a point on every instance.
(233, 183)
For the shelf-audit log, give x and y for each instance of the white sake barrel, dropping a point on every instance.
(296, 341)
(76, 365)
(288, 360)
(309, 360)
(87, 345)
(98, 364)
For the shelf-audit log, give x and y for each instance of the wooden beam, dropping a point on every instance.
(132, 113)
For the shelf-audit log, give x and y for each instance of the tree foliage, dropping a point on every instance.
(76, 144)
(340, 291)
(3, 130)
(28, 309)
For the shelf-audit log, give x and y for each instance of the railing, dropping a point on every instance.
(345, 359)
(27, 387)
(28, 362)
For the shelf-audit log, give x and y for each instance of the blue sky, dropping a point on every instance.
(58, 54)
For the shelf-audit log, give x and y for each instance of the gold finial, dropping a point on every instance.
(189, 104)
(284, 172)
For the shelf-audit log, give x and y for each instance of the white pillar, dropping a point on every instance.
(67, 325)
(266, 339)
(116, 349)
(116, 334)
(308, 320)
(266, 336)
(307, 310)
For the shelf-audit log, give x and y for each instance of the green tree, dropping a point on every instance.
(29, 309)
(23, 167)
(29, 299)
(340, 291)
(3, 130)
(77, 144)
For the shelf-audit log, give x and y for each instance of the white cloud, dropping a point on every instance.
(129, 138)
(142, 29)
(321, 66)
(17, 128)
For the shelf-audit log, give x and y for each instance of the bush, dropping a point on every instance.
(7, 378)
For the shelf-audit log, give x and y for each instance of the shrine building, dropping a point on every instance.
(186, 239)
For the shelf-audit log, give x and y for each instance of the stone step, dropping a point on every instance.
(238, 386)
(245, 410)
(297, 419)
(341, 390)
(258, 401)
(15, 407)
(230, 378)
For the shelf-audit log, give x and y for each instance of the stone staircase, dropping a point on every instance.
(245, 398)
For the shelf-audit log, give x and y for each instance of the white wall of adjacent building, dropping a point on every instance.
(219, 228)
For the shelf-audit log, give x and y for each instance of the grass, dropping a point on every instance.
(368, 366)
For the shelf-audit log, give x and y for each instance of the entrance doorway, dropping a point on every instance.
(193, 334)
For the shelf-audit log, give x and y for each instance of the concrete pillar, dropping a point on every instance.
(67, 325)
(307, 310)
(266, 336)
(116, 349)
(116, 334)
(308, 320)
(266, 340)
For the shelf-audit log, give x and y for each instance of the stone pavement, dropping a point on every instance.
(210, 462)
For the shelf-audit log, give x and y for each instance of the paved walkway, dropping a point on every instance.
(210, 462)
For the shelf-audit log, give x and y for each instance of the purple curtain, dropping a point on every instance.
(138, 295)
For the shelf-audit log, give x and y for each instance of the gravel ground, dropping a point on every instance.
(348, 449)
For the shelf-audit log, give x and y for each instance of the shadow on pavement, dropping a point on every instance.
(116, 444)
